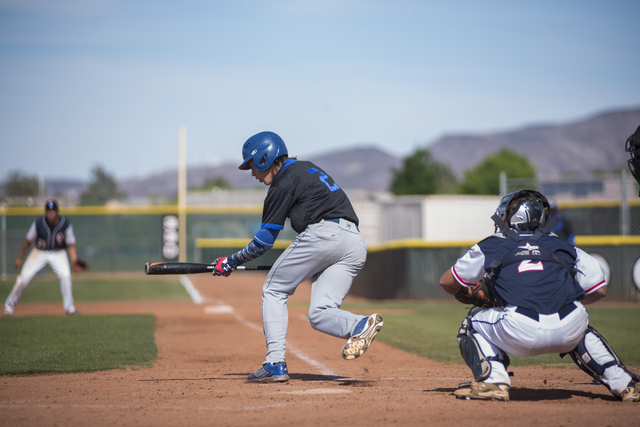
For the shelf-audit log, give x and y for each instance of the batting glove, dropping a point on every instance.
(223, 266)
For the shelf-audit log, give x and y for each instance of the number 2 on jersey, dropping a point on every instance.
(528, 265)
(323, 178)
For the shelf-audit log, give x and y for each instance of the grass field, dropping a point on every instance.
(430, 329)
(85, 343)
(100, 288)
(47, 344)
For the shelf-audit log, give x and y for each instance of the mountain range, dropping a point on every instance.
(593, 144)
(350, 168)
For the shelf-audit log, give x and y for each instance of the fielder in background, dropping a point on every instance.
(329, 249)
(532, 288)
(563, 228)
(52, 234)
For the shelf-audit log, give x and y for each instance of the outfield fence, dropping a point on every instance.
(604, 205)
(125, 238)
(412, 268)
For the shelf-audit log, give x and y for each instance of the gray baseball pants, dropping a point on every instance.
(331, 254)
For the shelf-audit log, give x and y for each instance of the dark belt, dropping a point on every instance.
(337, 220)
(532, 314)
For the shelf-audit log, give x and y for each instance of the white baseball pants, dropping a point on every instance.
(503, 329)
(35, 261)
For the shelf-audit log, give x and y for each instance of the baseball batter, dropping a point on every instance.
(329, 249)
(541, 284)
(52, 234)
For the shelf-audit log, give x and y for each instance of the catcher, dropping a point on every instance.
(632, 146)
(528, 289)
(52, 234)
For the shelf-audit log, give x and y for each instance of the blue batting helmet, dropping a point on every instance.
(263, 148)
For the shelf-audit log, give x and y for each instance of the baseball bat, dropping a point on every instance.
(191, 267)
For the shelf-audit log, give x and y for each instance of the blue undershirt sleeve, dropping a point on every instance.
(266, 236)
(261, 243)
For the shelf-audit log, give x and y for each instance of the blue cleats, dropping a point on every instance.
(270, 373)
(363, 335)
(360, 326)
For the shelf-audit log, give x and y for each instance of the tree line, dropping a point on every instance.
(420, 174)
(102, 187)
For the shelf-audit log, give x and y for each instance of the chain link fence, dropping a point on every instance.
(605, 205)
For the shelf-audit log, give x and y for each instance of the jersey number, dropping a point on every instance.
(528, 265)
(323, 178)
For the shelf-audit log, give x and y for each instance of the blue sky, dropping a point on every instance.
(109, 82)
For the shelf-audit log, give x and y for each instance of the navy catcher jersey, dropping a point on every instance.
(305, 194)
(48, 238)
(531, 278)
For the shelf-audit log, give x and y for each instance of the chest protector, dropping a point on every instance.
(540, 253)
(533, 277)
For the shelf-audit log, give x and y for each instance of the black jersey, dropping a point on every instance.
(305, 194)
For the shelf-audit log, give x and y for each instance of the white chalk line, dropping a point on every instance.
(218, 309)
(193, 292)
(323, 369)
(221, 307)
(296, 351)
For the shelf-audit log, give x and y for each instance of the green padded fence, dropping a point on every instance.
(125, 238)
(412, 268)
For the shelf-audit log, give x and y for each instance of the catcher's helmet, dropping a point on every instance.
(263, 148)
(524, 210)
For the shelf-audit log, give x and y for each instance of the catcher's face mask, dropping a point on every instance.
(533, 212)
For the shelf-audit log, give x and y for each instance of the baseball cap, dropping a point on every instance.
(51, 205)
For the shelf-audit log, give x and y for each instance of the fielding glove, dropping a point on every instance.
(80, 265)
(223, 266)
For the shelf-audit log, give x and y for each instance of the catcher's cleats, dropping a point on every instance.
(482, 390)
(631, 393)
(270, 373)
(362, 337)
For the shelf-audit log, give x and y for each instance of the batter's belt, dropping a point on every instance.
(339, 220)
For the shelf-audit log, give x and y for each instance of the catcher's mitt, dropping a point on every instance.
(80, 266)
(479, 296)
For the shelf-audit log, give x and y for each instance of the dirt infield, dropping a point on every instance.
(206, 351)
